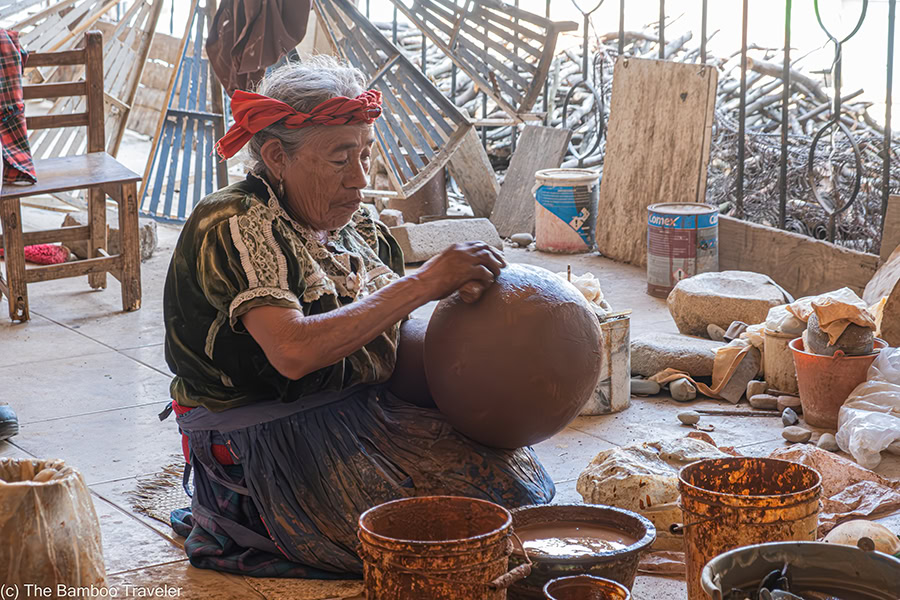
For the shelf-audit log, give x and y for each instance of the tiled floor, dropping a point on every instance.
(88, 381)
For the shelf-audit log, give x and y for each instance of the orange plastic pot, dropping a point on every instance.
(826, 381)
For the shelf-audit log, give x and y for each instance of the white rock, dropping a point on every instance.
(827, 442)
(522, 240)
(789, 417)
(756, 387)
(796, 434)
(682, 390)
(689, 417)
(644, 387)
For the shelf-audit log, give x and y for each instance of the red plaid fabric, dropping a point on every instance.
(18, 165)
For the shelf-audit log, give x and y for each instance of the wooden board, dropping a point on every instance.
(472, 170)
(802, 265)
(890, 240)
(538, 148)
(657, 148)
(884, 280)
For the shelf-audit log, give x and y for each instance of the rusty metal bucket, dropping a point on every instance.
(731, 502)
(437, 547)
(585, 587)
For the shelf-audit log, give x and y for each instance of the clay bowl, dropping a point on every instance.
(617, 565)
(585, 587)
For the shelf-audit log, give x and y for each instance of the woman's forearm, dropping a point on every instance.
(297, 345)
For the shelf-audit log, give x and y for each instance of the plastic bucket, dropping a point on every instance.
(682, 241)
(616, 565)
(613, 391)
(779, 362)
(829, 569)
(585, 587)
(731, 502)
(437, 547)
(826, 381)
(565, 209)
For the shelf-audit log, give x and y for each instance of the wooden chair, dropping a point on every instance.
(96, 171)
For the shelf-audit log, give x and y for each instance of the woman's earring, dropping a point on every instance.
(280, 190)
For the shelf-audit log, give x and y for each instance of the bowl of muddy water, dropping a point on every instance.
(577, 539)
(802, 570)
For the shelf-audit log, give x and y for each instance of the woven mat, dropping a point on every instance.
(159, 494)
(306, 589)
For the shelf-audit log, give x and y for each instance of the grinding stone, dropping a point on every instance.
(408, 380)
(515, 367)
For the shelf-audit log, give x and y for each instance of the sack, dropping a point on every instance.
(47, 509)
(869, 420)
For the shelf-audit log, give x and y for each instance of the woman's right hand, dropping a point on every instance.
(469, 267)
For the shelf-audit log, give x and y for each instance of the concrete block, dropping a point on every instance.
(147, 228)
(421, 242)
(391, 217)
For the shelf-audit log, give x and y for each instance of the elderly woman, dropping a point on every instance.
(282, 309)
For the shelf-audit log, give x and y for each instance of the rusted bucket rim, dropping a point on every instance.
(796, 343)
(639, 546)
(739, 459)
(507, 523)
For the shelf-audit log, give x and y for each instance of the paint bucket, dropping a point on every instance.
(585, 587)
(831, 570)
(616, 565)
(731, 502)
(613, 391)
(825, 382)
(565, 210)
(779, 367)
(682, 241)
(437, 547)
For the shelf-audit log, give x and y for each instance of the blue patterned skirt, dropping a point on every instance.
(305, 471)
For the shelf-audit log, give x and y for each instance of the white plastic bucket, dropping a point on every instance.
(565, 209)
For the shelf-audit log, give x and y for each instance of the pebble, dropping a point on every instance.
(644, 387)
(796, 434)
(764, 401)
(682, 390)
(522, 240)
(689, 417)
(789, 417)
(792, 402)
(715, 333)
(756, 387)
(827, 442)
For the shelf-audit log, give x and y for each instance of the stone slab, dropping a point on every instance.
(654, 352)
(722, 298)
(421, 242)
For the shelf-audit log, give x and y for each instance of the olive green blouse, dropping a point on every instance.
(240, 249)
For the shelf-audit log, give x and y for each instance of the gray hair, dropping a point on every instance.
(303, 85)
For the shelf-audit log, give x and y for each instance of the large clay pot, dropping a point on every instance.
(515, 367)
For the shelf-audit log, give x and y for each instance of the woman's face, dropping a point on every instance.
(323, 180)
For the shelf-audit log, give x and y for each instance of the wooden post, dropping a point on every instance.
(93, 77)
(98, 233)
(218, 103)
(14, 255)
(472, 170)
(890, 236)
(129, 234)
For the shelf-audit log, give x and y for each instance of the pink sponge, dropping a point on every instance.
(45, 254)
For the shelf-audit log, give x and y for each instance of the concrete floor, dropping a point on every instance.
(88, 380)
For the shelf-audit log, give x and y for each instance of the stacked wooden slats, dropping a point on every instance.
(505, 50)
(125, 47)
(183, 167)
(420, 130)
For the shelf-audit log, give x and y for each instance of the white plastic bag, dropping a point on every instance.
(869, 421)
(780, 320)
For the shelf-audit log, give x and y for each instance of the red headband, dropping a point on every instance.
(254, 112)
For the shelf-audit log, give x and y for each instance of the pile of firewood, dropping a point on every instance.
(809, 110)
